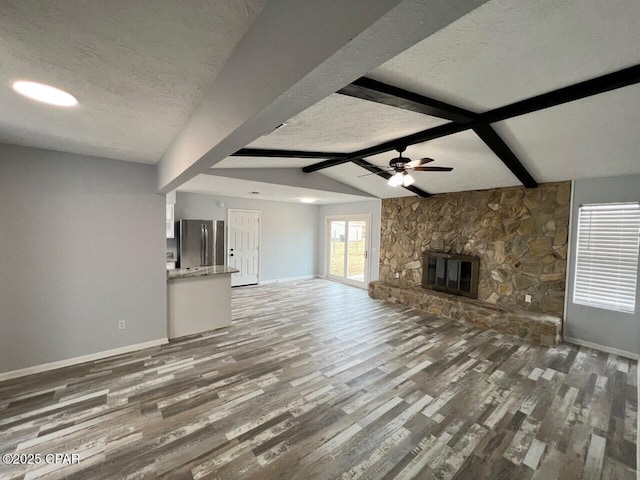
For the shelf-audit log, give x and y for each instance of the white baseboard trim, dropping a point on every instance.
(603, 348)
(82, 359)
(289, 279)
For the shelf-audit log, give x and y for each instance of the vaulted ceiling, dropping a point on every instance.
(193, 84)
(500, 53)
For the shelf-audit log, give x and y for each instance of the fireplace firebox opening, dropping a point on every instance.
(455, 274)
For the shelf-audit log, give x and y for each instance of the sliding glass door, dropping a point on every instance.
(348, 249)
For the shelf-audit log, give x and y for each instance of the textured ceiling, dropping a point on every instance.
(595, 137)
(475, 167)
(138, 72)
(507, 50)
(136, 67)
(264, 162)
(344, 124)
(232, 187)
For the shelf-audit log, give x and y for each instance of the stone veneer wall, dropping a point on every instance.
(519, 234)
(535, 327)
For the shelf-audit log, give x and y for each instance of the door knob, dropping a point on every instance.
(231, 254)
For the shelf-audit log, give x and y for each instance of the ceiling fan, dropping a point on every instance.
(402, 165)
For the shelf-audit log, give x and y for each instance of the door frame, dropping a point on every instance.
(367, 273)
(228, 236)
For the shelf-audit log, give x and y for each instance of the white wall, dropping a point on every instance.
(371, 207)
(288, 232)
(606, 328)
(81, 247)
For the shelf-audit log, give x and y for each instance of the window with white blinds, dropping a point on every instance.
(607, 256)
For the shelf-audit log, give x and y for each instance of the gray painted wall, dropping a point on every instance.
(81, 247)
(372, 207)
(603, 327)
(288, 232)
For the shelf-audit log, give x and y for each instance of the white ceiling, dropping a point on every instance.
(505, 51)
(344, 124)
(232, 187)
(594, 137)
(508, 50)
(338, 123)
(296, 53)
(264, 162)
(138, 75)
(137, 69)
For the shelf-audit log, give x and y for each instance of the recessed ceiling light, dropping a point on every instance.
(45, 93)
(308, 200)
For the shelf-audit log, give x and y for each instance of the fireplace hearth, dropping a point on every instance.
(449, 273)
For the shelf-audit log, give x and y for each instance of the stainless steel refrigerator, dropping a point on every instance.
(201, 243)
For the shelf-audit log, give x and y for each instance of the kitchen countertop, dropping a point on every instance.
(199, 272)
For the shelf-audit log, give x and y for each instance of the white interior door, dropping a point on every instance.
(348, 242)
(243, 247)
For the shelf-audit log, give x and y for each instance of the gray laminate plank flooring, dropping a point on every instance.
(315, 380)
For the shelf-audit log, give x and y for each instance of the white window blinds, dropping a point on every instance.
(607, 256)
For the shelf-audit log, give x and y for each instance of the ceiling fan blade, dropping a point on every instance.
(376, 173)
(422, 161)
(432, 169)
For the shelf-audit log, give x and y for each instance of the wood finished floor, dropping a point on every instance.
(315, 380)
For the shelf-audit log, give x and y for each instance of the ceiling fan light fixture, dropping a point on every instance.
(408, 180)
(396, 180)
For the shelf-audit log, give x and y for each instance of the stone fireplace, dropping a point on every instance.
(520, 237)
(519, 234)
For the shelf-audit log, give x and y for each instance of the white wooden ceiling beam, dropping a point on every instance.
(296, 53)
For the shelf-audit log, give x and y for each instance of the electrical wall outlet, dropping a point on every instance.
(527, 298)
(397, 274)
(122, 325)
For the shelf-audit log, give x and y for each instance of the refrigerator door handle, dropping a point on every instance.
(202, 244)
(206, 245)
